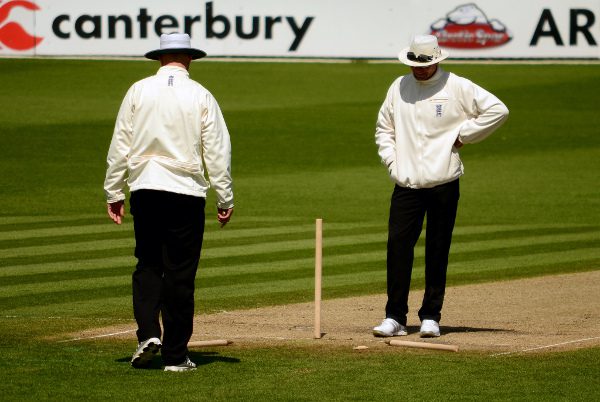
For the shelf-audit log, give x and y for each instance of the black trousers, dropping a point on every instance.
(169, 229)
(407, 212)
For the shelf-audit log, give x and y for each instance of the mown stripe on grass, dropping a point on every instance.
(210, 234)
(266, 268)
(379, 276)
(233, 233)
(238, 237)
(59, 296)
(13, 220)
(237, 274)
(306, 244)
(215, 252)
(369, 255)
(486, 229)
(482, 245)
(65, 257)
(49, 277)
(115, 305)
(119, 307)
(35, 289)
(127, 235)
(63, 231)
(233, 273)
(309, 229)
(66, 266)
(525, 233)
(249, 236)
(263, 258)
(50, 225)
(528, 249)
(82, 268)
(24, 219)
(101, 219)
(21, 295)
(46, 241)
(252, 234)
(523, 261)
(278, 260)
(64, 248)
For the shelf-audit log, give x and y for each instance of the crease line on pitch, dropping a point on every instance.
(545, 347)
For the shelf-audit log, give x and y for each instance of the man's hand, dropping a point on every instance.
(223, 215)
(116, 211)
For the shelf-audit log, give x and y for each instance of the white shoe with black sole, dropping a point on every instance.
(145, 352)
(389, 327)
(430, 329)
(187, 365)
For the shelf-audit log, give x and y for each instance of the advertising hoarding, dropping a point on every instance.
(307, 28)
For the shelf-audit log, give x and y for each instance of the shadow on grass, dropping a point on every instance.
(449, 330)
(200, 358)
(203, 358)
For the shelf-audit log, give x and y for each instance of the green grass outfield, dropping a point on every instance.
(303, 148)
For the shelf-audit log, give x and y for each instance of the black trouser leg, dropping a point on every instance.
(182, 254)
(407, 212)
(442, 204)
(169, 229)
(147, 279)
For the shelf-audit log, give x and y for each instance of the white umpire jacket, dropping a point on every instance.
(170, 135)
(419, 122)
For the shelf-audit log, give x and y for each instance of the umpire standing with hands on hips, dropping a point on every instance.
(170, 144)
(426, 117)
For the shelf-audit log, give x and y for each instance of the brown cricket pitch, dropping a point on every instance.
(506, 316)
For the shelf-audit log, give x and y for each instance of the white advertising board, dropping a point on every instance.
(307, 28)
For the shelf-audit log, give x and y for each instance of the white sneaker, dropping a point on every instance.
(187, 365)
(390, 327)
(145, 352)
(430, 329)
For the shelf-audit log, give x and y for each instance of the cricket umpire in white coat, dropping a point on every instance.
(170, 144)
(426, 117)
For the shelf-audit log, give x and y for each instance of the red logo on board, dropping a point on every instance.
(467, 27)
(12, 35)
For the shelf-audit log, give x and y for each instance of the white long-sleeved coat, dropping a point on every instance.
(419, 122)
(169, 133)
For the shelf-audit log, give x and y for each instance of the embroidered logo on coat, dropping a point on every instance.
(170, 80)
(438, 110)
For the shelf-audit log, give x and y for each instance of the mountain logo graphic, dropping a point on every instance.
(467, 27)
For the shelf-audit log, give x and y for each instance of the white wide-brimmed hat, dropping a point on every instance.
(175, 43)
(422, 52)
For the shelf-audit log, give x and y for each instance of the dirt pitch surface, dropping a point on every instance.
(551, 313)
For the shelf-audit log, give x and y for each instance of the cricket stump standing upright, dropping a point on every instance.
(318, 274)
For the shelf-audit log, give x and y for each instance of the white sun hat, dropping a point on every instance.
(175, 43)
(422, 52)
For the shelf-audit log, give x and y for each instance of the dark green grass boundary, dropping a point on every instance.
(305, 372)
